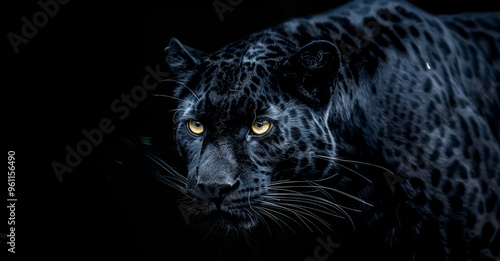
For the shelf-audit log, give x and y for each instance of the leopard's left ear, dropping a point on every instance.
(312, 70)
(182, 58)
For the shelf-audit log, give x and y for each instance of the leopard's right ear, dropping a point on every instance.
(311, 71)
(182, 58)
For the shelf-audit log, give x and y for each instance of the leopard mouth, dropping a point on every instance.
(226, 212)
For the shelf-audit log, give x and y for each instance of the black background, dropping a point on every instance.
(64, 80)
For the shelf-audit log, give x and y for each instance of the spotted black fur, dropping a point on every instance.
(382, 88)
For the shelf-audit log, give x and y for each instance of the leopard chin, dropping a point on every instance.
(224, 220)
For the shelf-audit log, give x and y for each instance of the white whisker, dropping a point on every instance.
(333, 190)
(178, 82)
(354, 161)
(305, 211)
(291, 211)
(268, 212)
(311, 202)
(256, 213)
(170, 97)
(174, 179)
(351, 170)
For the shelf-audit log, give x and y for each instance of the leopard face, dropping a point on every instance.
(241, 132)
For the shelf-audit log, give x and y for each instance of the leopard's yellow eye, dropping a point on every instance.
(261, 127)
(196, 127)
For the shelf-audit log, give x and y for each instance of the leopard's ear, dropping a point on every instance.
(182, 58)
(312, 70)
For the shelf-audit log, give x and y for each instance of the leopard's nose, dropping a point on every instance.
(218, 172)
(217, 191)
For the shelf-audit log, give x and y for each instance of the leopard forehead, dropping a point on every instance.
(239, 81)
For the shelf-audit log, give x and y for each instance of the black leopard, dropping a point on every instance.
(395, 109)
